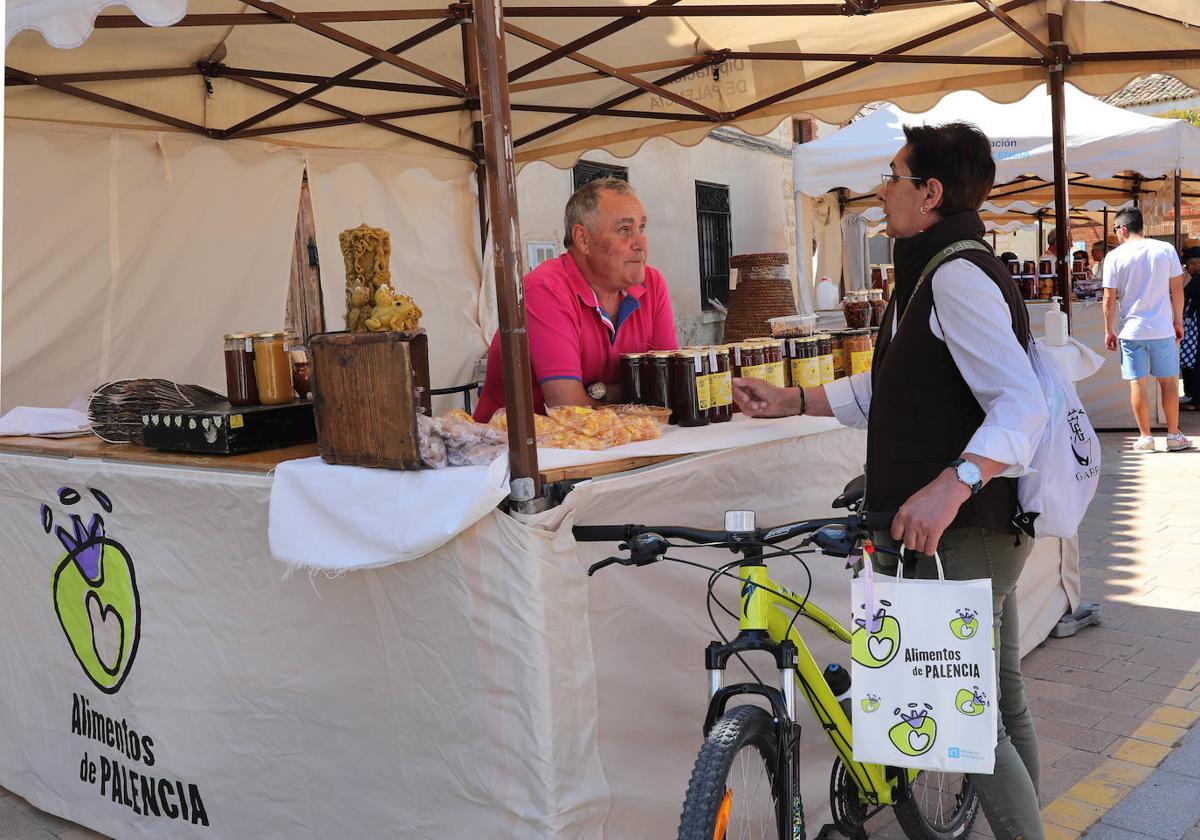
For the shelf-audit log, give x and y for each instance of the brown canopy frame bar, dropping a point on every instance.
(487, 83)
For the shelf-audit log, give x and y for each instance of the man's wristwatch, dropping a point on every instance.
(597, 391)
(968, 473)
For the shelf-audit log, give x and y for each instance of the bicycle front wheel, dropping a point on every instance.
(734, 793)
(938, 806)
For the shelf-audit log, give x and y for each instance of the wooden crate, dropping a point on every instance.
(367, 391)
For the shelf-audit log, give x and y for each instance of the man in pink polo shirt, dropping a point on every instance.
(583, 310)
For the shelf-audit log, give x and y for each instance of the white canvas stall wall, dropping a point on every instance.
(130, 254)
(428, 207)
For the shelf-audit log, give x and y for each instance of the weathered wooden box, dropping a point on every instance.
(368, 389)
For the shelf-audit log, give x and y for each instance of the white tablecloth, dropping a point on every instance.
(330, 517)
(486, 689)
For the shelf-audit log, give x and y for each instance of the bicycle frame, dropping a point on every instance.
(766, 608)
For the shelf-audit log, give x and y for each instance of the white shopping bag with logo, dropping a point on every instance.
(923, 675)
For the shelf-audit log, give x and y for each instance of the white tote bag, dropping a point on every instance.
(923, 675)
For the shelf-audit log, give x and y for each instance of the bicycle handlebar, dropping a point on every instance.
(624, 533)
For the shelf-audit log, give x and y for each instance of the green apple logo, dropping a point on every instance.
(915, 733)
(876, 645)
(971, 701)
(966, 625)
(870, 703)
(95, 595)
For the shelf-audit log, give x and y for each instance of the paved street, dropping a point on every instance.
(1114, 704)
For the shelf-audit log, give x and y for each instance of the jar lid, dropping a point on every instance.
(266, 335)
(237, 336)
(808, 339)
(633, 355)
(859, 332)
(824, 336)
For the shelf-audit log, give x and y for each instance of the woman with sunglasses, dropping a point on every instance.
(953, 412)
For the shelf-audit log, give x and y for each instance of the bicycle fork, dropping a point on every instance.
(753, 636)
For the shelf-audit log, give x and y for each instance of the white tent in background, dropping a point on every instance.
(1110, 152)
(1102, 141)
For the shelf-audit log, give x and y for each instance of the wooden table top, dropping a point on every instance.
(90, 446)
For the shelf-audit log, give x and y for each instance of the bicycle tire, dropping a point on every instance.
(927, 817)
(747, 730)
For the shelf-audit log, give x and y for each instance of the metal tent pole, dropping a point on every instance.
(1178, 212)
(492, 69)
(1058, 124)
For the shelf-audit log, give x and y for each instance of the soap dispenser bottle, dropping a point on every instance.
(1056, 324)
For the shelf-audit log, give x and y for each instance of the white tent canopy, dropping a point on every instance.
(1111, 153)
(1102, 141)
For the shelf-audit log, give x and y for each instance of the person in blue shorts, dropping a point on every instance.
(1144, 281)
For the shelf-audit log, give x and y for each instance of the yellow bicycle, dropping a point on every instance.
(746, 779)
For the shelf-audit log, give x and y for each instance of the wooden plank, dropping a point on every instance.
(92, 447)
(583, 471)
(305, 313)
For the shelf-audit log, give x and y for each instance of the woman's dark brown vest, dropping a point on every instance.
(922, 412)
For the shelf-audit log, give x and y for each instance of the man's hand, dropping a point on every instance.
(921, 521)
(1110, 341)
(1178, 330)
(759, 398)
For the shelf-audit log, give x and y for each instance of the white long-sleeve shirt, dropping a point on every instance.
(979, 335)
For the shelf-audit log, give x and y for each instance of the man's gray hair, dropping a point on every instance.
(581, 207)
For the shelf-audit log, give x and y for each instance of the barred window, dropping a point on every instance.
(585, 171)
(714, 233)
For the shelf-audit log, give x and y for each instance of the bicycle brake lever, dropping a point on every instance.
(608, 561)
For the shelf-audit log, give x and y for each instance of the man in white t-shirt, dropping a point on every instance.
(1144, 278)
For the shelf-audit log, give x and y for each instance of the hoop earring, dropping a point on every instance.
(924, 209)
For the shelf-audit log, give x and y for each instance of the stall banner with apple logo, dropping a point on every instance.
(923, 673)
(95, 592)
(95, 597)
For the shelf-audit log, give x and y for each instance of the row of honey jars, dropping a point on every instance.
(696, 383)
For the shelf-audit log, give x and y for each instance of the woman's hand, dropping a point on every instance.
(921, 521)
(759, 398)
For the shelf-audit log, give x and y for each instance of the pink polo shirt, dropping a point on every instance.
(572, 337)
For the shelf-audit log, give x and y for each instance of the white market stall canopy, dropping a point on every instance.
(1109, 150)
(398, 76)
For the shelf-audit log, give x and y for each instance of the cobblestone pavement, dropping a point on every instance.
(1113, 703)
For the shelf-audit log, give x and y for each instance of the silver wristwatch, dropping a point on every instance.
(597, 391)
(968, 473)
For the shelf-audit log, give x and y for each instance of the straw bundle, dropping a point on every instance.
(115, 409)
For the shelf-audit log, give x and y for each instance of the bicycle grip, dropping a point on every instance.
(878, 521)
(600, 533)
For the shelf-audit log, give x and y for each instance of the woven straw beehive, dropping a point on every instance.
(764, 290)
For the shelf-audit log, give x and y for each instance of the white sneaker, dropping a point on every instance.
(1177, 442)
(1144, 444)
